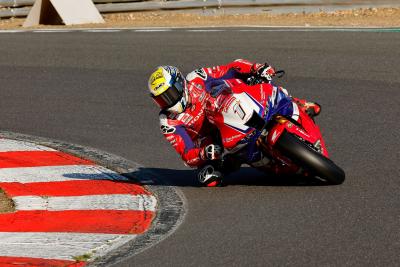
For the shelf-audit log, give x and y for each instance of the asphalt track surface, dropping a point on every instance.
(90, 89)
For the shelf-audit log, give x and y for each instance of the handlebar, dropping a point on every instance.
(253, 80)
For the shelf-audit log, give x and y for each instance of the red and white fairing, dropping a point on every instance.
(233, 108)
(220, 100)
(190, 131)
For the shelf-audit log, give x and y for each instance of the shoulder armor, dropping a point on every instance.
(199, 73)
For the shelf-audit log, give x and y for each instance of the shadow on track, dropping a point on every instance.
(245, 176)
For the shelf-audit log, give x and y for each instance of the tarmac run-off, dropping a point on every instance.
(67, 209)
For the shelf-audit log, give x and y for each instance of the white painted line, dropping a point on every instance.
(320, 30)
(58, 173)
(153, 30)
(103, 30)
(205, 30)
(64, 246)
(92, 202)
(243, 28)
(52, 31)
(8, 145)
(11, 31)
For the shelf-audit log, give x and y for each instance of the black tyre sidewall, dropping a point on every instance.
(301, 154)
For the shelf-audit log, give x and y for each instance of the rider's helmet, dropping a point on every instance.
(168, 89)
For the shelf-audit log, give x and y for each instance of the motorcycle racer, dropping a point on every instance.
(183, 119)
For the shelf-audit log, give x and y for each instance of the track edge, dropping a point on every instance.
(171, 208)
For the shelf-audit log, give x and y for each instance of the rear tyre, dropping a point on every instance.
(314, 162)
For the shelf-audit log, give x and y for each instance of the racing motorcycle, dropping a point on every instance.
(267, 129)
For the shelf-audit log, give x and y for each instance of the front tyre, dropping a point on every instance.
(309, 159)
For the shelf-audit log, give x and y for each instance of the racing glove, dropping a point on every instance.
(263, 71)
(211, 152)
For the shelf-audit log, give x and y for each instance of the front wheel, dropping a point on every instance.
(309, 159)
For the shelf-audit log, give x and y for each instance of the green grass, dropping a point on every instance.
(84, 257)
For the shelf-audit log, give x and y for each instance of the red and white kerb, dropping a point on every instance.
(66, 207)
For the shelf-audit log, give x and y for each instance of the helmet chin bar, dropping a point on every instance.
(180, 106)
(176, 109)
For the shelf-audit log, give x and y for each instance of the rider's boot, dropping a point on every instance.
(209, 175)
(311, 108)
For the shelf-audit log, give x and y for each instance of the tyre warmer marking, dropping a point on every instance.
(66, 207)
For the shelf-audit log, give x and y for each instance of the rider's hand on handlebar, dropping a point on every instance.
(264, 71)
(212, 152)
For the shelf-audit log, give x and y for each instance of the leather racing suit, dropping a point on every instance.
(190, 132)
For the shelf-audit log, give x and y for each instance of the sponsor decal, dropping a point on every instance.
(303, 132)
(239, 110)
(156, 75)
(195, 119)
(274, 136)
(203, 95)
(186, 118)
(229, 139)
(159, 86)
(227, 103)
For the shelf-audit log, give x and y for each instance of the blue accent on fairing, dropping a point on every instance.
(253, 154)
(280, 95)
(261, 111)
(282, 106)
(252, 149)
(180, 130)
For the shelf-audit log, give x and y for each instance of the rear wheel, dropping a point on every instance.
(312, 161)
